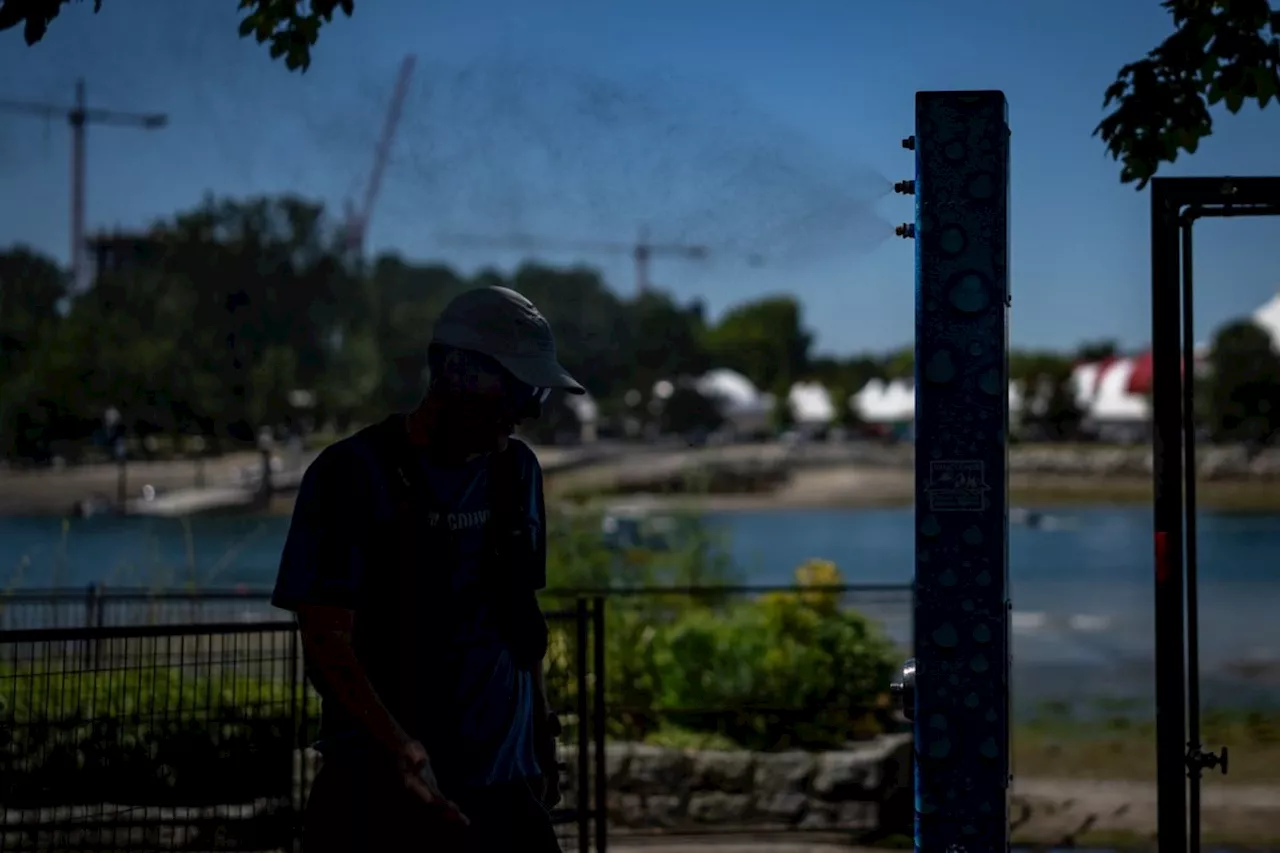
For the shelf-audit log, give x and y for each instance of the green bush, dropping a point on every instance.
(783, 671)
(159, 736)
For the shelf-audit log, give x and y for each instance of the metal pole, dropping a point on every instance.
(598, 712)
(1191, 537)
(961, 625)
(77, 118)
(1167, 480)
(642, 253)
(582, 791)
(122, 482)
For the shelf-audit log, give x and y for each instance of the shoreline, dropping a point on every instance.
(842, 487)
(826, 484)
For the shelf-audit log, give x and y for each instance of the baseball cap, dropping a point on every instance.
(507, 327)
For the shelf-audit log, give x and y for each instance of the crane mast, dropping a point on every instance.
(357, 219)
(642, 251)
(79, 116)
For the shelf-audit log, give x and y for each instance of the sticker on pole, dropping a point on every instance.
(957, 486)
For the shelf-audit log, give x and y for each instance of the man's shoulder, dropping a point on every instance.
(346, 462)
(523, 456)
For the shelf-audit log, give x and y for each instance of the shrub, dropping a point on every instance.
(786, 670)
(145, 736)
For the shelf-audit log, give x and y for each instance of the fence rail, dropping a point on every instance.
(193, 736)
(688, 667)
(98, 606)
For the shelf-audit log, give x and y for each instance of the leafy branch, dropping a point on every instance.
(290, 27)
(1222, 51)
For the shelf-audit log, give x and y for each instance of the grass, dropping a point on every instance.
(1026, 490)
(1059, 490)
(1124, 749)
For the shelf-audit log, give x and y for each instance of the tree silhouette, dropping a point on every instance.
(1221, 51)
(290, 27)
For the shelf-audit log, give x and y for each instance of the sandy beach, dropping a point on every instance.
(844, 484)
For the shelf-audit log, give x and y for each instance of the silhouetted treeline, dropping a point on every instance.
(243, 314)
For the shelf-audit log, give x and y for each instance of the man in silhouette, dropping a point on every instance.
(412, 562)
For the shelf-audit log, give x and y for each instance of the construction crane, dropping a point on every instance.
(642, 251)
(79, 116)
(357, 220)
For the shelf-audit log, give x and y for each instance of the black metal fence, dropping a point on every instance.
(97, 606)
(193, 736)
(695, 667)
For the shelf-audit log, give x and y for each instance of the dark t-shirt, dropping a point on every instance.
(475, 706)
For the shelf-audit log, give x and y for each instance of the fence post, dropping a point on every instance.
(961, 633)
(297, 743)
(90, 604)
(582, 622)
(92, 618)
(598, 719)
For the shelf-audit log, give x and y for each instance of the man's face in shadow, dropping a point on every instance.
(480, 401)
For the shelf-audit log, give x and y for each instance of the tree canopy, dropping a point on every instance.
(1221, 51)
(1244, 385)
(243, 314)
(290, 28)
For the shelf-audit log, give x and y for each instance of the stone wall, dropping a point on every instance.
(655, 787)
(864, 787)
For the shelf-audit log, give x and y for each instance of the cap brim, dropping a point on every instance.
(541, 373)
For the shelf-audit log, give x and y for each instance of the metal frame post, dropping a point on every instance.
(1176, 203)
(1167, 477)
(961, 633)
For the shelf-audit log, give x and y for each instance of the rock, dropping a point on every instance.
(842, 775)
(627, 809)
(656, 770)
(861, 815)
(720, 770)
(717, 807)
(662, 810)
(616, 760)
(784, 806)
(820, 816)
(783, 772)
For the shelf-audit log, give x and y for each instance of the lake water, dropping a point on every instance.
(1082, 588)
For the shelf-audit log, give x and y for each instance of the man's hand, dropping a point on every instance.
(420, 780)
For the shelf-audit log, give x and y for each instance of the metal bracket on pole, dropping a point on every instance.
(960, 679)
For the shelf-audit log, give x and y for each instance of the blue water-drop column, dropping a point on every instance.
(962, 416)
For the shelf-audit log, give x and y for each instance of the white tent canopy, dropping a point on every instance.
(811, 404)
(1113, 400)
(1268, 317)
(732, 390)
(881, 402)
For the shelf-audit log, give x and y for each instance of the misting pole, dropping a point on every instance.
(956, 690)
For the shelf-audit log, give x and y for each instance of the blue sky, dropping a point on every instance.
(749, 127)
